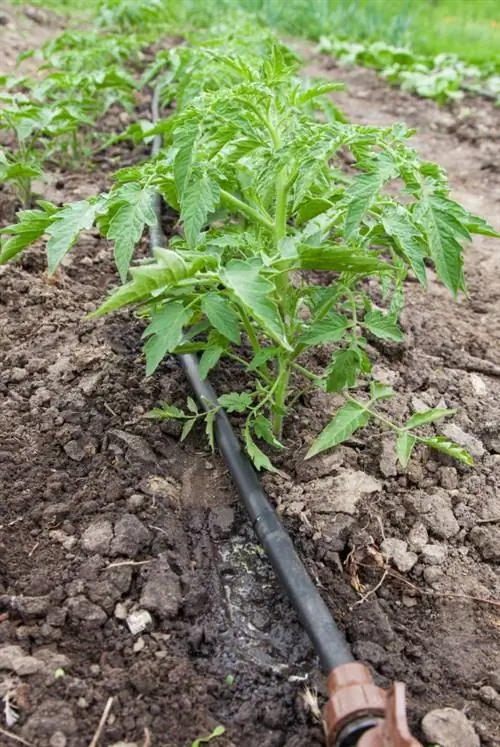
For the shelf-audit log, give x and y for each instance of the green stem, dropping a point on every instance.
(281, 394)
(250, 331)
(248, 210)
(305, 372)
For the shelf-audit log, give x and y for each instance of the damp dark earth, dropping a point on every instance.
(128, 568)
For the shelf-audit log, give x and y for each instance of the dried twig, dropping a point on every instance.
(121, 563)
(102, 722)
(373, 590)
(9, 734)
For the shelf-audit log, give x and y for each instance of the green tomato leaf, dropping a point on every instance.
(380, 391)
(330, 329)
(221, 314)
(32, 224)
(164, 333)
(398, 224)
(209, 359)
(200, 197)
(235, 402)
(128, 222)
(347, 421)
(428, 416)
(262, 357)
(65, 229)
(443, 230)
(362, 191)
(187, 428)
(404, 447)
(262, 428)
(448, 447)
(382, 326)
(254, 292)
(327, 257)
(259, 459)
(343, 373)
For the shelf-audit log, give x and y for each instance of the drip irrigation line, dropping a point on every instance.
(327, 639)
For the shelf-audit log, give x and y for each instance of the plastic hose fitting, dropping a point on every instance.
(360, 714)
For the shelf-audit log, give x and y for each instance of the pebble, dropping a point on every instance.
(131, 536)
(448, 727)
(341, 493)
(487, 540)
(435, 512)
(478, 385)
(396, 550)
(473, 445)
(120, 611)
(388, 462)
(489, 695)
(138, 621)
(448, 478)
(81, 608)
(97, 537)
(418, 537)
(136, 501)
(162, 591)
(432, 574)
(75, 450)
(409, 601)
(31, 606)
(139, 645)
(433, 554)
(14, 659)
(58, 739)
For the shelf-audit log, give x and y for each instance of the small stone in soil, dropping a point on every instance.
(433, 554)
(14, 659)
(388, 462)
(449, 728)
(418, 537)
(396, 550)
(131, 536)
(435, 512)
(75, 450)
(162, 592)
(81, 608)
(138, 621)
(341, 493)
(487, 540)
(432, 574)
(97, 537)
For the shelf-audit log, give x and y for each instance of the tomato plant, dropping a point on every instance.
(276, 238)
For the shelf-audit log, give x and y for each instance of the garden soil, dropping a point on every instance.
(129, 571)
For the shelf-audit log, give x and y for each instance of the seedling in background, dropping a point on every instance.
(277, 241)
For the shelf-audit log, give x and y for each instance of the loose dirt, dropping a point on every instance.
(105, 514)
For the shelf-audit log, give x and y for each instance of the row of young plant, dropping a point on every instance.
(444, 77)
(53, 119)
(276, 238)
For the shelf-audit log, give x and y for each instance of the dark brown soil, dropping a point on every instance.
(104, 513)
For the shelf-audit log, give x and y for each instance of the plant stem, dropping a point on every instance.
(248, 210)
(250, 331)
(280, 398)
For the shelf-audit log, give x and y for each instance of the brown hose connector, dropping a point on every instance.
(362, 714)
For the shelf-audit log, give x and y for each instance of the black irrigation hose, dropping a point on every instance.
(327, 639)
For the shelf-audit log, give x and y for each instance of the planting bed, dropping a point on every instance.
(104, 512)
